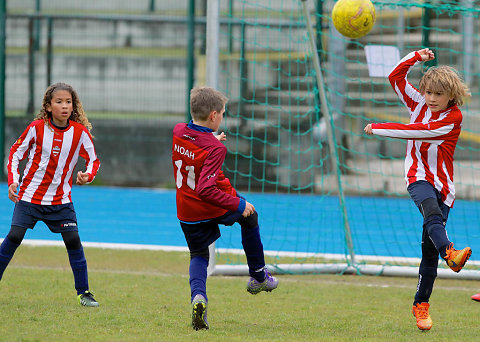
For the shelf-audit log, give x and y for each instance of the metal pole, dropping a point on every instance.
(401, 29)
(38, 9)
(230, 33)
(190, 55)
(49, 51)
(330, 133)
(468, 25)
(213, 28)
(31, 69)
(203, 44)
(3, 15)
(426, 28)
(151, 6)
(319, 27)
(243, 71)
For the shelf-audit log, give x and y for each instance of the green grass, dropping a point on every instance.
(144, 296)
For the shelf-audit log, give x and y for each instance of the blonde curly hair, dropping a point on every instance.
(445, 79)
(78, 115)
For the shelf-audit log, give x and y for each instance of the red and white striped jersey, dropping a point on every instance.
(52, 155)
(432, 136)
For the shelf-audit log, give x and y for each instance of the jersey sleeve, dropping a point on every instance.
(19, 152)
(434, 130)
(87, 152)
(408, 94)
(207, 187)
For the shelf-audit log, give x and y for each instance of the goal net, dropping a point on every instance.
(338, 203)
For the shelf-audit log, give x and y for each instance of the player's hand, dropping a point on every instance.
(82, 178)
(426, 54)
(12, 192)
(368, 129)
(221, 136)
(249, 209)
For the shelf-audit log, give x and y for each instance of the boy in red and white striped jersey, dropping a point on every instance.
(433, 131)
(52, 143)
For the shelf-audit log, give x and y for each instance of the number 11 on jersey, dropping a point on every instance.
(190, 176)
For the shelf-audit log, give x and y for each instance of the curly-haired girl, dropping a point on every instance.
(52, 143)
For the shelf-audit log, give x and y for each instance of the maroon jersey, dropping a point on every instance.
(203, 191)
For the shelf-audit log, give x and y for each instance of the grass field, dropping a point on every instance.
(144, 296)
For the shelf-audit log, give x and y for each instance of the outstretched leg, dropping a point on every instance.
(435, 215)
(10, 245)
(253, 247)
(198, 273)
(78, 264)
(261, 279)
(198, 287)
(427, 272)
(426, 277)
(434, 224)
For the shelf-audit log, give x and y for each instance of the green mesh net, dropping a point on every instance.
(279, 155)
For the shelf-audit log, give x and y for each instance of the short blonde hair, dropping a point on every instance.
(204, 100)
(445, 79)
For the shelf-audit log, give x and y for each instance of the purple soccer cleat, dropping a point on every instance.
(270, 283)
(199, 313)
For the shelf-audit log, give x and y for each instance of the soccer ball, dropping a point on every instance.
(353, 18)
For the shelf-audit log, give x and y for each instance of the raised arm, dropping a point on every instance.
(408, 94)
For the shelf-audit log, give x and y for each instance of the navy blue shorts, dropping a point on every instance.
(421, 190)
(200, 235)
(59, 218)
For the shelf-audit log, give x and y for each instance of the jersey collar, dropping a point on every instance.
(199, 128)
(59, 128)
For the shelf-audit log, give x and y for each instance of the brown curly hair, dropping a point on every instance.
(78, 115)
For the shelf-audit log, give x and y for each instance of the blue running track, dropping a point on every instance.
(290, 223)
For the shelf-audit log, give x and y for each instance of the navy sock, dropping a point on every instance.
(7, 249)
(252, 245)
(426, 277)
(79, 268)
(198, 276)
(437, 232)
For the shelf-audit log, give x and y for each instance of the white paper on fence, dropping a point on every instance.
(381, 59)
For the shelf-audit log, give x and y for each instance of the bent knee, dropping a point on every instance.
(430, 207)
(250, 221)
(204, 253)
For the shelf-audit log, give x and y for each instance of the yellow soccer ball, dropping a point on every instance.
(353, 18)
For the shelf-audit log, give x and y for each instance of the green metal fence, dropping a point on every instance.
(132, 72)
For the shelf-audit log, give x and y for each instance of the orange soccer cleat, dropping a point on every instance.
(476, 297)
(456, 259)
(420, 311)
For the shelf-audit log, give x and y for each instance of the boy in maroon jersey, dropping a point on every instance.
(205, 199)
(433, 131)
(52, 142)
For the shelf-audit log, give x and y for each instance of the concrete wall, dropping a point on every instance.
(142, 5)
(104, 83)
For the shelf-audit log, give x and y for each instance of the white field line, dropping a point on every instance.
(345, 280)
(340, 257)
